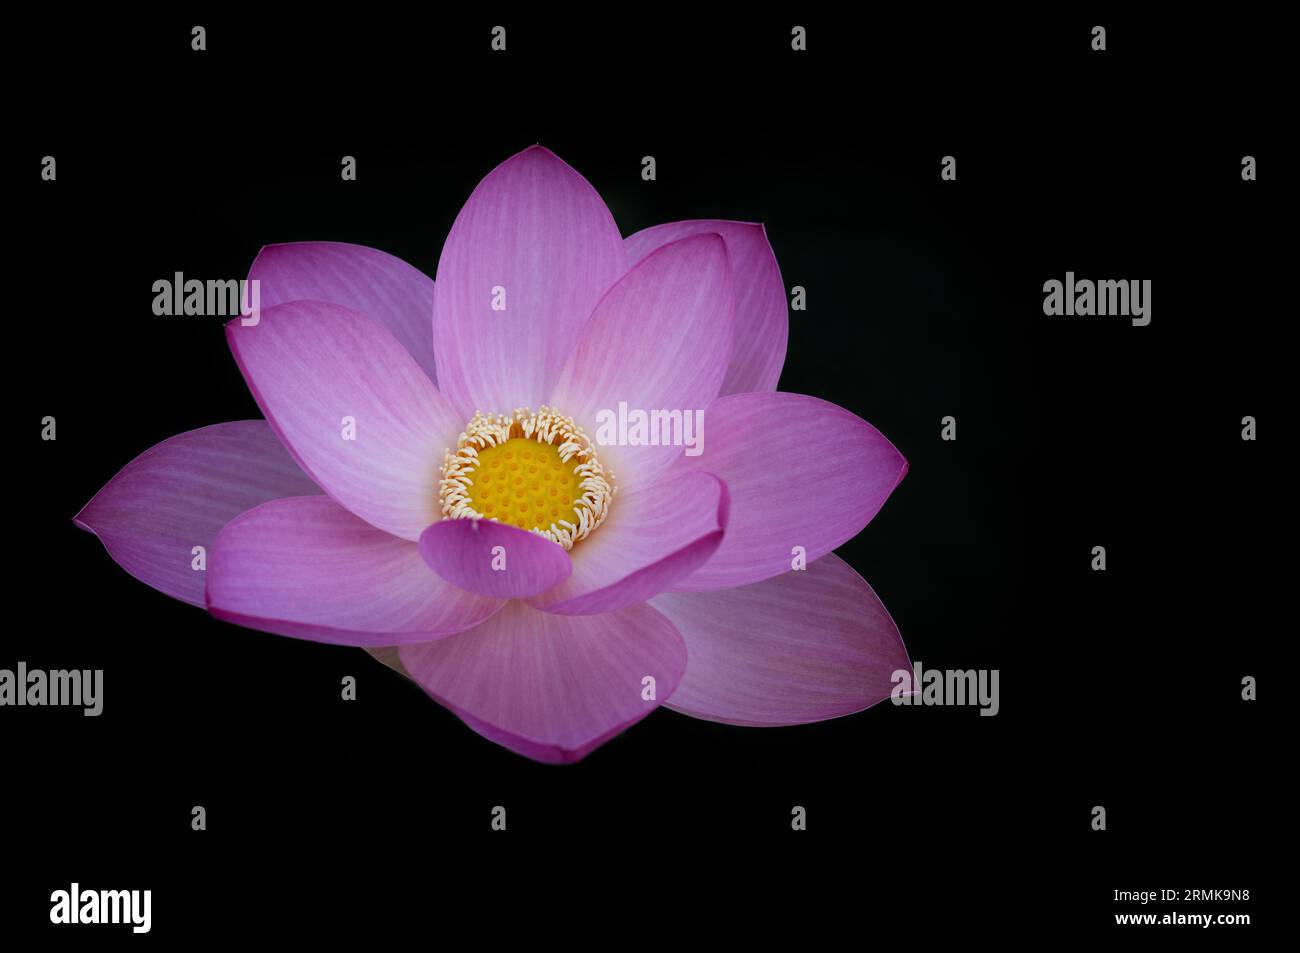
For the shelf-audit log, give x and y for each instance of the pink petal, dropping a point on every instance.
(307, 568)
(177, 495)
(310, 365)
(800, 647)
(762, 323)
(383, 288)
(493, 559)
(652, 539)
(552, 687)
(659, 340)
(801, 472)
(536, 228)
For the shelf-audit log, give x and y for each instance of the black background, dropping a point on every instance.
(1119, 688)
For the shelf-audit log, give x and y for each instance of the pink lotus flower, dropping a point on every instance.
(549, 589)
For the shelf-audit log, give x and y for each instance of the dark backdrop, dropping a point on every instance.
(1119, 689)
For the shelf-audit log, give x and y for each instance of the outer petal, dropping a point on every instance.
(307, 568)
(178, 494)
(493, 559)
(310, 365)
(762, 322)
(383, 288)
(801, 472)
(801, 647)
(651, 539)
(535, 228)
(552, 687)
(659, 340)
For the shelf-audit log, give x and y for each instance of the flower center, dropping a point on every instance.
(538, 472)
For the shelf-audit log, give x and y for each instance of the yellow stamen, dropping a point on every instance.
(538, 472)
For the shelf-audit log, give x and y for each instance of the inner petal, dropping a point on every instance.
(538, 472)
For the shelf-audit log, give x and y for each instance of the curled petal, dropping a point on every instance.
(652, 539)
(493, 559)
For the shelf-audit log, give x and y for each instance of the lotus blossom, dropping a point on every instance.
(425, 483)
